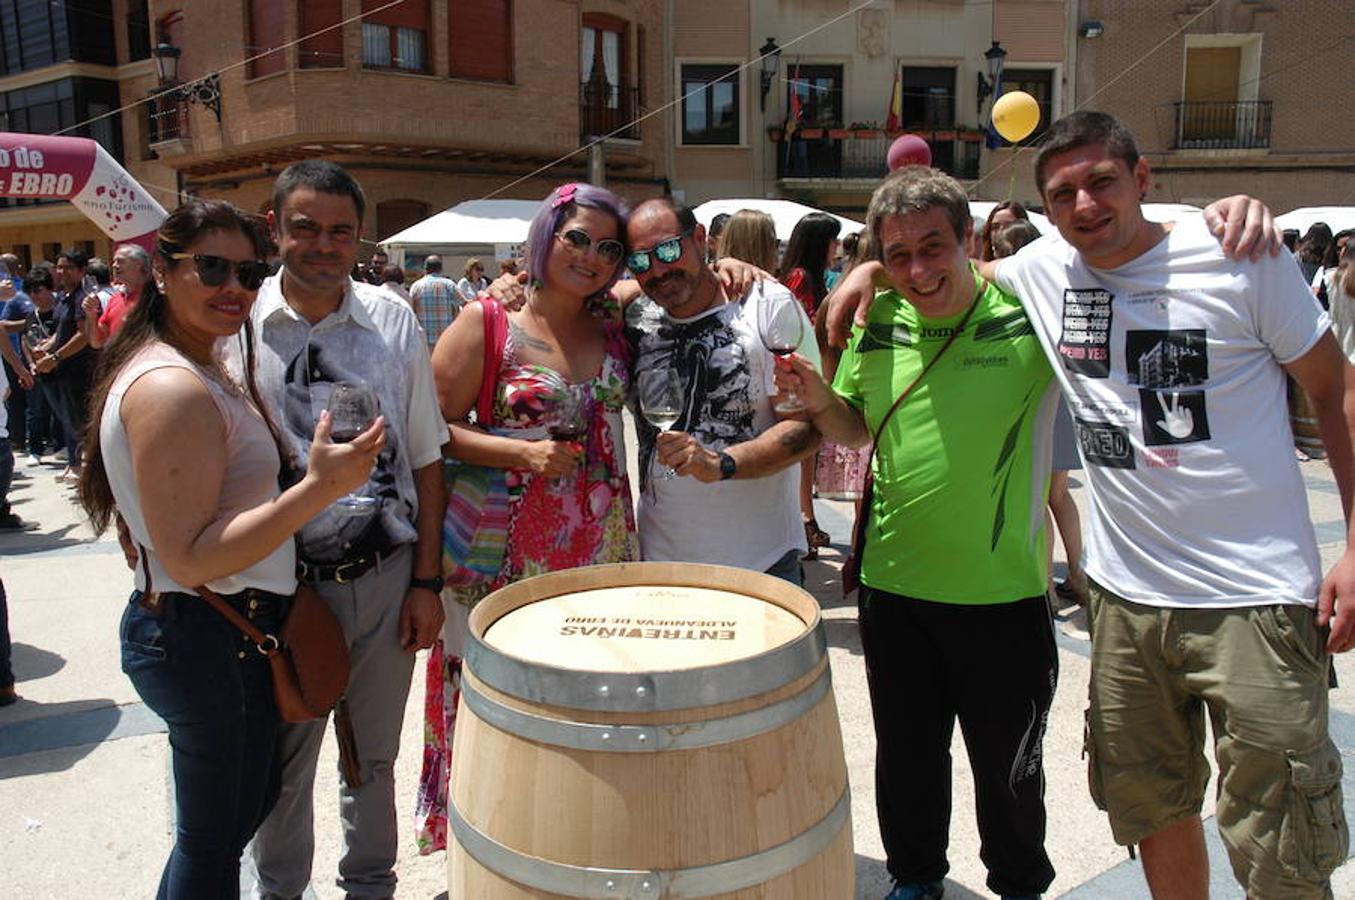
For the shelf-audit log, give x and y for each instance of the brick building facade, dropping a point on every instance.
(1251, 96)
(429, 103)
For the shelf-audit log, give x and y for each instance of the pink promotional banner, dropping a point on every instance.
(34, 166)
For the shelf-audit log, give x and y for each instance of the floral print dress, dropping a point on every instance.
(586, 518)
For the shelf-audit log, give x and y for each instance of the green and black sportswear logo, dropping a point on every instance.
(884, 336)
(1002, 469)
(889, 336)
(1006, 327)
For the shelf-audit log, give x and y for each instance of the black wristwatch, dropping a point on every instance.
(433, 584)
(727, 466)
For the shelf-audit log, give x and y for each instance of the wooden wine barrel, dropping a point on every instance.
(1303, 421)
(648, 730)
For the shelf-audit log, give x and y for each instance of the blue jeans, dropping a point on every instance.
(214, 690)
(788, 568)
(43, 428)
(67, 396)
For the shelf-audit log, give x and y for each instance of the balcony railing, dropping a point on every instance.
(167, 119)
(1222, 125)
(822, 153)
(604, 108)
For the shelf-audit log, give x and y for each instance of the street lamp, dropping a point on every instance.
(994, 56)
(771, 61)
(205, 91)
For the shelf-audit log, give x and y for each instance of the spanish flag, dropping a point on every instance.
(894, 121)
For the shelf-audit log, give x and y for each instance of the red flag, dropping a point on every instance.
(894, 121)
(796, 107)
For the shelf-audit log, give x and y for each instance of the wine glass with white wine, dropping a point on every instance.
(660, 392)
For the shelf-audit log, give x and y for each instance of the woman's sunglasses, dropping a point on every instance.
(669, 251)
(609, 250)
(214, 270)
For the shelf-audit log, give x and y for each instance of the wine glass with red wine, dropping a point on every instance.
(781, 325)
(567, 420)
(353, 408)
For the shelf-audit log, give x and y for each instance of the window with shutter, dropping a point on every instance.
(395, 37)
(480, 38)
(321, 46)
(607, 96)
(266, 24)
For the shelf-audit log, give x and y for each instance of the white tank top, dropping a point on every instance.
(250, 477)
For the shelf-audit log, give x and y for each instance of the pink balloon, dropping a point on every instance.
(908, 150)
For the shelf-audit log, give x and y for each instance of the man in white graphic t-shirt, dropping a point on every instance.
(726, 430)
(1207, 594)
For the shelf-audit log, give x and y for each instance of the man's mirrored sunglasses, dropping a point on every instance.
(610, 250)
(214, 270)
(669, 251)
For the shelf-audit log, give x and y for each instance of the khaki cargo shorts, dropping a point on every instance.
(1261, 675)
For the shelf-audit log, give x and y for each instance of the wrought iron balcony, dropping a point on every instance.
(1222, 125)
(604, 108)
(816, 152)
(167, 119)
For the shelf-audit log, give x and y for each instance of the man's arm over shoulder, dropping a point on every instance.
(1329, 380)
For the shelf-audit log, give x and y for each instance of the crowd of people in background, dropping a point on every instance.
(228, 343)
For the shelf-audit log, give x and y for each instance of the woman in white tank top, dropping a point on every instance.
(190, 460)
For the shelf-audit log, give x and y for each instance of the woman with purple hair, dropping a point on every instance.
(556, 429)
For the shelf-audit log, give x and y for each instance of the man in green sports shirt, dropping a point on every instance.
(954, 621)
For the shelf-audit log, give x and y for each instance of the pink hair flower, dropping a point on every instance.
(565, 194)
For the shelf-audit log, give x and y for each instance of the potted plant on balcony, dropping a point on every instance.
(945, 134)
(969, 133)
(811, 134)
(866, 130)
(837, 134)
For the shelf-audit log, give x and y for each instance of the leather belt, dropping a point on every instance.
(342, 572)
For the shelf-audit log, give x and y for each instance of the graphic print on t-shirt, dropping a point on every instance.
(1160, 363)
(1104, 444)
(308, 381)
(1084, 345)
(718, 384)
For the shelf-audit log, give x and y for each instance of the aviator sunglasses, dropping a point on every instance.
(214, 270)
(669, 251)
(609, 250)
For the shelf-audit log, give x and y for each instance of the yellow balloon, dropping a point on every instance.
(1015, 115)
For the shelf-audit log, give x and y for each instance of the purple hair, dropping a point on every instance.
(560, 205)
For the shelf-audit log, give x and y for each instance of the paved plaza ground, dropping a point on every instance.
(85, 800)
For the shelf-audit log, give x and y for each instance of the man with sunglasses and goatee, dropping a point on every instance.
(734, 496)
(380, 570)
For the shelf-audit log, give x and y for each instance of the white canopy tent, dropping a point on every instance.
(784, 213)
(473, 228)
(1338, 218)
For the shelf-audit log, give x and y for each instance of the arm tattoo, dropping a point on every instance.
(523, 339)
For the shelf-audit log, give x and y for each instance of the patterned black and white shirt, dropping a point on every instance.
(373, 337)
